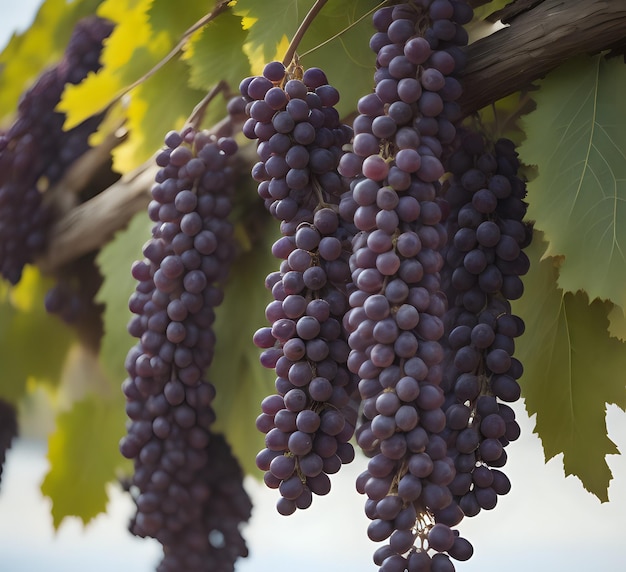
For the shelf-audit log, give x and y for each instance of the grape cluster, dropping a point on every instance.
(485, 260)
(300, 139)
(402, 137)
(8, 430)
(226, 507)
(185, 498)
(311, 418)
(35, 151)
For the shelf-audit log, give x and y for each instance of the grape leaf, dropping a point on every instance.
(216, 53)
(269, 22)
(573, 368)
(617, 323)
(115, 261)
(241, 382)
(42, 44)
(161, 103)
(347, 60)
(484, 11)
(33, 343)
(577, 139)
(175, 18)
(83, 454)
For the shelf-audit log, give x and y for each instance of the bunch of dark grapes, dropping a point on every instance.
(187, 486)
(485, 260)
(402, 135)
(310, 419)
(35, 152)
(8, 430)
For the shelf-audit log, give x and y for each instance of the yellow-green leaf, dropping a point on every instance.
(573, 368)
(577, 139)
(129, 52)
(83, 454)
(33, 343)
(42, 45)
(161, 103)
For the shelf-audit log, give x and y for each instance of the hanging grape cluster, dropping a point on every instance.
(309, 421)
(35, 152)
(187, 486)
(433, 261)
(389, 326)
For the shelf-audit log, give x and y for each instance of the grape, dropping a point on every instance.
(35, 154)
(487, 241)
(299, 166)
(179, 462)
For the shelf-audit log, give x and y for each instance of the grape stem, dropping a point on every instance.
(304, 26)
(200, 109)
(359, 19)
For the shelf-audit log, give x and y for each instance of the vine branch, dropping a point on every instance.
(304, 26)
(535, 42)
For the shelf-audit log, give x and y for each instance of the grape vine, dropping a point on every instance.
(395, 306)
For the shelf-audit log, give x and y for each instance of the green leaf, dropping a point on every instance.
(489, 8)
(617, 323)
(175, 18)
(241, 382)
(270, 22)
(161, 103)
(216, 53)
(83, 454)
(33, 343)
(27, 54)
(577, 139)
(115, 261)
(347, 60)
(573, 368)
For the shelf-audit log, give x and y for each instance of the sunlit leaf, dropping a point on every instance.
(83, 454)
(577, 139)
(161, 103)
(41, 45)
(573, 369)
(129, 52)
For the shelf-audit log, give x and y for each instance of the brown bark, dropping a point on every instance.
(536, 42)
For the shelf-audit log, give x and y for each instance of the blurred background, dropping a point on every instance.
(546, 523)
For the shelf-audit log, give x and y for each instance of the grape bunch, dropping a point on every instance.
(188, 487)
(8, 430)
(402, 136)
(35, 152)
(310, 419)
(485, 260)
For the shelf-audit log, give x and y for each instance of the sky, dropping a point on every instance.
(546, 523)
